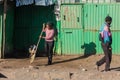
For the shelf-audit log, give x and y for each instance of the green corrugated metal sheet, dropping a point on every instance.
(1, 23)
(28, 25)
(116, 42)
(93, 18)
(72, 40)
(91, 36)
(71, 16)
(88, 1)
(94, 15)
(99, 1)
(92, 42)
(57, 47)
(72, 29)
(9, 31)
(114, 11)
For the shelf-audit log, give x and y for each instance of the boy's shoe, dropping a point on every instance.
(105, 70)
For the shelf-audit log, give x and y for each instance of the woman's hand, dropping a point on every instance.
(41, 37)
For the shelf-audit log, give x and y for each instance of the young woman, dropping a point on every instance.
(49, 40)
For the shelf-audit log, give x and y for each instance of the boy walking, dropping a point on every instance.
(106, 41)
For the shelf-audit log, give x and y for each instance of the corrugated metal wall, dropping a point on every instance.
(71, 16)
(1, 23)
(116, 43)
(72, 29)
(94, 15)
(98, 1)
(80, 25)
(9, 31)
(72, 41)
(57, 47)
(92, 18)
(114, 11)
(89, 1)
(28, 25)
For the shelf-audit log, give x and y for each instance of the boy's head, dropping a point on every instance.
(108, 20)
(49, 25)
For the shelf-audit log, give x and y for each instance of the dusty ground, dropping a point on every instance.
(63, 68)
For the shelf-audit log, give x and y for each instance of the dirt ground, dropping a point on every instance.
(73, 67)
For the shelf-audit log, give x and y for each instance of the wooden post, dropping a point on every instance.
(4, 22)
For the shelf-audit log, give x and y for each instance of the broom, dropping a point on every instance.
(35, 47)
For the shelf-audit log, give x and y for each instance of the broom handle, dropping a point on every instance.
(40, 35)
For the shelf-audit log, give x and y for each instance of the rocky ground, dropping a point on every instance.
(73, 67)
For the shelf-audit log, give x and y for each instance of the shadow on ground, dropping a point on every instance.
(116, 69)
(89, 49)
(81, 57)
(2, 76)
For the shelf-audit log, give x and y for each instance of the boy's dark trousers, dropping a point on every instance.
(49, 50)
(107, 56)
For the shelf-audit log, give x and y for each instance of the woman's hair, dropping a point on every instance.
(50, 24)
